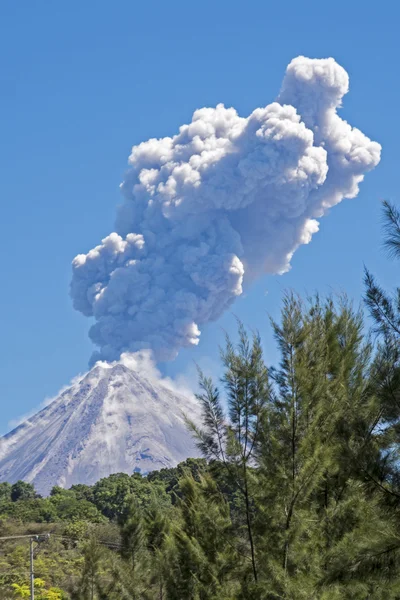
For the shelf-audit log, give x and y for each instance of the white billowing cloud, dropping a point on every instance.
(143, 362)
(224, 201)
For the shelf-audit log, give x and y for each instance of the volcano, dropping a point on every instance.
(111, 420)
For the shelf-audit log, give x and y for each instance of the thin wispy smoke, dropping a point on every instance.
(207, 211)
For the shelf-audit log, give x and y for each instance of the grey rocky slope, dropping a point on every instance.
(112, 420)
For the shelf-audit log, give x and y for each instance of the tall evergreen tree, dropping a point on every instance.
(300, 448)
(132, 577)
(200, 557)
(384, 308)
(91, 585)
(234, 442)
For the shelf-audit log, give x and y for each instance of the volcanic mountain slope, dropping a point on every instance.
(112, 420)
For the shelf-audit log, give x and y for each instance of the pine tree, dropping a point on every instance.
(384, 474)
(157, 524)
(91, 584)
(132, 576)
(199, 552)
(234, 442)
(314, 501)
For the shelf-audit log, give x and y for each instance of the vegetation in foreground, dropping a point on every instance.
(297, 497)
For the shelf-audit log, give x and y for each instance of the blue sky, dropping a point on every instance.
(84, 81)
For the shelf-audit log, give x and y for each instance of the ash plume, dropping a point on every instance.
(221, 203)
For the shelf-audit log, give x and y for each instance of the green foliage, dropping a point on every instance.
(170, 477)
(112, 495)
(199, 548)
(22, 491)
(68, 507)
(5, 492)
(41, 593)
(235, 442)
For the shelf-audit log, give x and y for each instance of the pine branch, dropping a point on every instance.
(391, 215)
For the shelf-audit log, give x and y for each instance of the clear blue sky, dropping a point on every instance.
(84, 81)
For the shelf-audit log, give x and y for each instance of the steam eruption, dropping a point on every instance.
(224, 201)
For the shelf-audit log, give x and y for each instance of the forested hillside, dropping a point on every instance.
(297, 497)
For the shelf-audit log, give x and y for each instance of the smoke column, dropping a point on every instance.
(221, 203)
